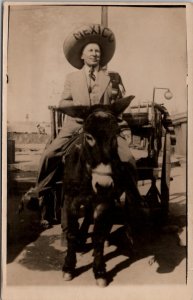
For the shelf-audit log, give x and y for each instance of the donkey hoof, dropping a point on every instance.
(44, 224)
(101, 282)
(107, 243)
(67, 276)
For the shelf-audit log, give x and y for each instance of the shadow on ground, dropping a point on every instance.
(42, 255)
(44, 252)
(22, 229)
(161, 246)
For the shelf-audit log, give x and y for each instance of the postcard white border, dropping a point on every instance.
(123, 293)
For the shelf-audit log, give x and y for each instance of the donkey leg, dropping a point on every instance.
(84, 228)
(102, 226)
(72, 236)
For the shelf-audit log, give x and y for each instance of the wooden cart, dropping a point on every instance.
(151, 123)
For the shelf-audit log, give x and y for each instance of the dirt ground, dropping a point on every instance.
(35, 257)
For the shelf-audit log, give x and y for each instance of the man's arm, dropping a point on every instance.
(66, 98)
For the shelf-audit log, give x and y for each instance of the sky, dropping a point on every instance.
(150, 52)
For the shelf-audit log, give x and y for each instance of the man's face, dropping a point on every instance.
(91, 55)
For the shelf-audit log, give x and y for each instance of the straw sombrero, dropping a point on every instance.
(90, 33)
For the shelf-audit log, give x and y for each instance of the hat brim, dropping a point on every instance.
(78, 39)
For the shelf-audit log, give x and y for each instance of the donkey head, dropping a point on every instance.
(100, 124)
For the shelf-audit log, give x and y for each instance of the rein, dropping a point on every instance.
(98, 172)
(102, 173)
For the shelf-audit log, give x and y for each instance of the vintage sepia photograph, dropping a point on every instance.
(95, 139)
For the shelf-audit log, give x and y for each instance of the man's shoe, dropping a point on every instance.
(30, 199)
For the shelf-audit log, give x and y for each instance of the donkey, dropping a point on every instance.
(95, 177)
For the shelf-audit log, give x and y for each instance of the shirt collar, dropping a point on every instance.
(87, 69)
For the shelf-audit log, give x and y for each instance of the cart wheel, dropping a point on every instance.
(165, 176)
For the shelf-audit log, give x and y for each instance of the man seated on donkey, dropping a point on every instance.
(89, 49)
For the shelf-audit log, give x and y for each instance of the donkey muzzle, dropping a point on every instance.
(102, 177)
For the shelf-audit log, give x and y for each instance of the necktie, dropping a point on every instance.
(91, 74)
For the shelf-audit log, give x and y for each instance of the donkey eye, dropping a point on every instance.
(90, 139)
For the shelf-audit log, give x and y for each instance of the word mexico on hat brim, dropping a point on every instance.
(92, 33)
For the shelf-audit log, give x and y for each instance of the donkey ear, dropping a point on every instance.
(79, 111)
(120, 105)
